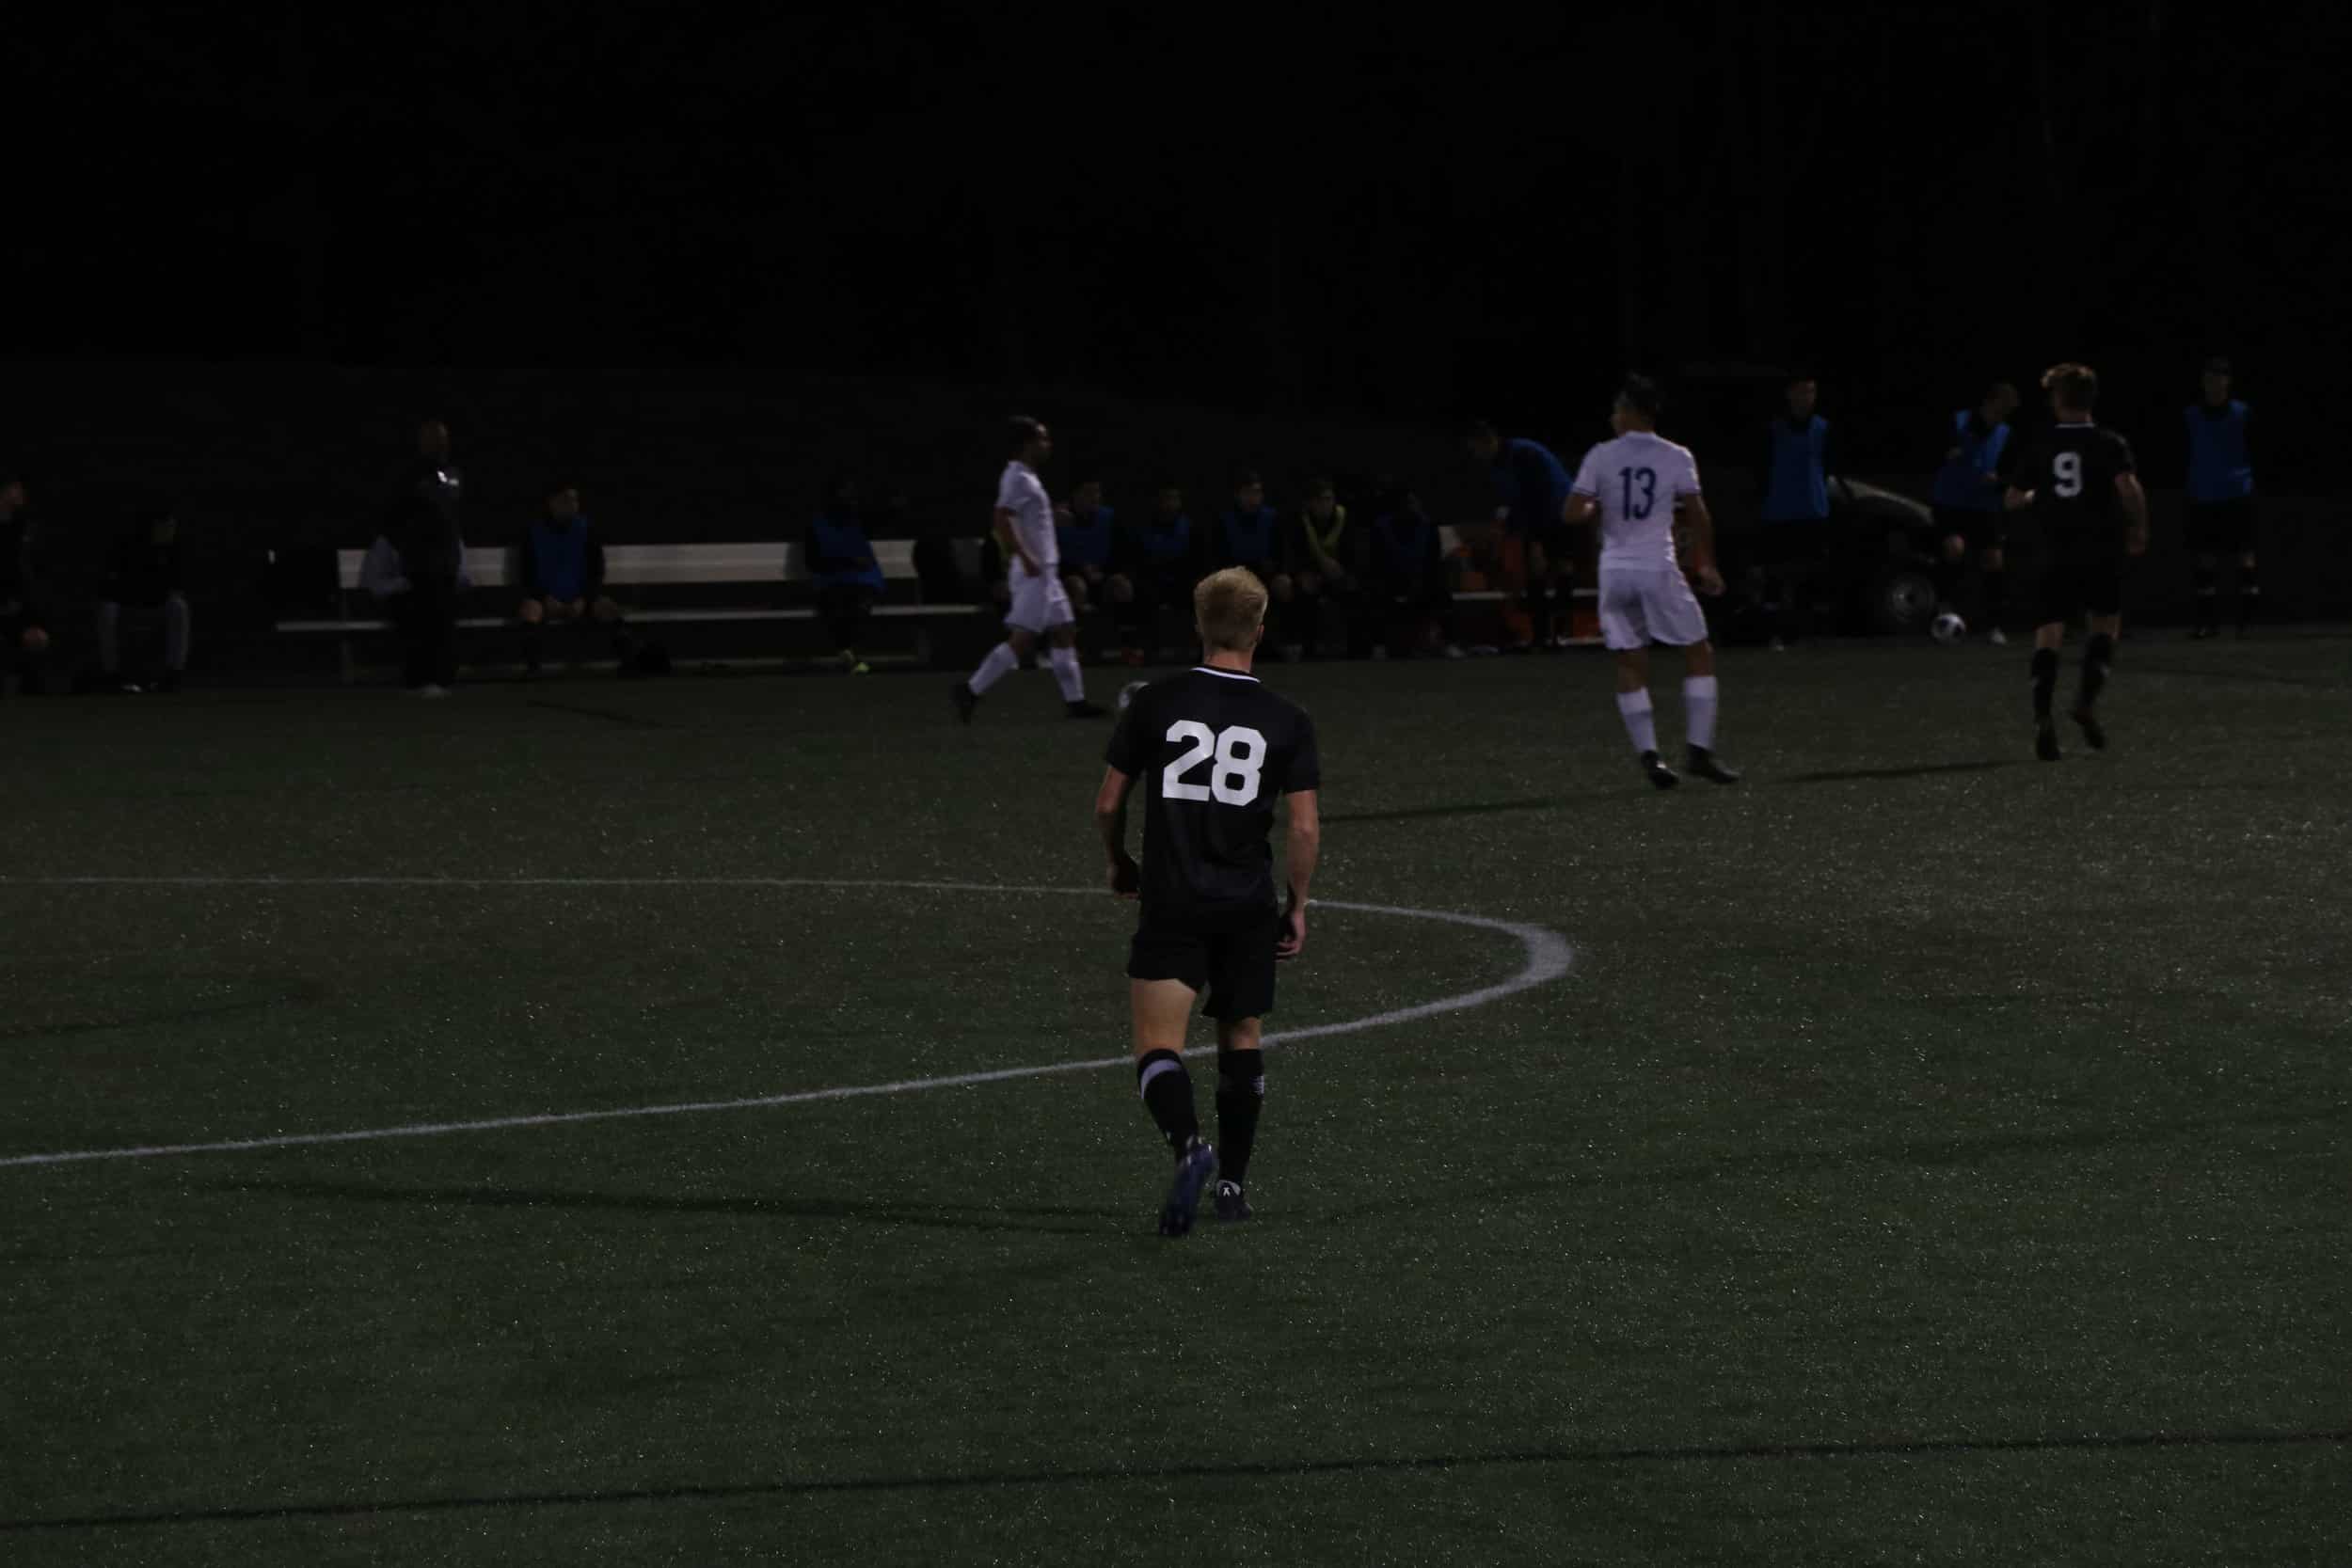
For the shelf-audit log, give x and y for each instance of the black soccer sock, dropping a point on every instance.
(2208, 595)
(1995, 596)
(2046, 669)
(1240, 1095)
(2097, 655)
(2250, 596)
(534, 634)
(1167, 1091)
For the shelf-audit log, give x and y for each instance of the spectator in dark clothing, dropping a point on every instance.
(559, 569)
(1324, 554)
(1537, 551)
(421, 524)
(1249, 534)
(1161, 561)
(1085, 532)
(145, 574)
(841, 562)
(1796, 468)
(23, 624)
(938, 571)
(1406, 578)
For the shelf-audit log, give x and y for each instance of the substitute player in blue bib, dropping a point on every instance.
(2220, 500)
(1969, 516)
(1211, 752)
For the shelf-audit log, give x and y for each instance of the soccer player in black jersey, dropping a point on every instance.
(2080, 483)
(1211, 750)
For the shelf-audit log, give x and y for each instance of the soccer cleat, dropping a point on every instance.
(1233, 1204)
(1084, 709)
(1704, 763)
(2094, 734)
(2203, 632)
(1658, 772)
(965, 699)
(1997, 637)
(1194, 1167)
(2046, 744)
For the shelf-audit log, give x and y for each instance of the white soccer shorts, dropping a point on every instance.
(1038, 604)
(1641, 605)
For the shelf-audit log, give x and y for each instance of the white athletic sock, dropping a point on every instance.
(1065, 663)
(1001, 662)
(1633, 707)
(1698, 710)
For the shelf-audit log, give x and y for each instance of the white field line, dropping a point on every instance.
(1548, 957)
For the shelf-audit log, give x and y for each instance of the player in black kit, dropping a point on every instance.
(1211, 750)
(2079, 482)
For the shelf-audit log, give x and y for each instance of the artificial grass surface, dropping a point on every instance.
(1919, 1132)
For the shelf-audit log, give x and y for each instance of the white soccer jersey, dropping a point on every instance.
(1022, 494)
(1637, 479)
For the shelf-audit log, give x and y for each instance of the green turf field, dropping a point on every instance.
(1929, 1156)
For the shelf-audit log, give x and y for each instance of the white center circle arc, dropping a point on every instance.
(1545, 957)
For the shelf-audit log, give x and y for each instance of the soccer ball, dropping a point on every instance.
(1949, 629)
(1127, 693)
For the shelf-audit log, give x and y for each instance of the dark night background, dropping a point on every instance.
(246, 247)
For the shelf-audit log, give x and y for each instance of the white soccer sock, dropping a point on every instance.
(1698, 710)
(1065, 662)
(1633, 707)
(1001, 662)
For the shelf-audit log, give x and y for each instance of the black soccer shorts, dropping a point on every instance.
(2220, 527)
(2075, 584)
(1229, 957)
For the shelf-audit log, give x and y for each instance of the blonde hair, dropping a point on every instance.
(1230, 607)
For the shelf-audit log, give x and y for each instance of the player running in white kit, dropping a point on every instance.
(1633, 485)
(1040, 606)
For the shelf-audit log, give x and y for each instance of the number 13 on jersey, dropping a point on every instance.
(1240, 754)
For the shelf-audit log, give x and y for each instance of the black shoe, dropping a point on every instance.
(2094, 736)
(1703, 763)
(1194, 1167)
(965, 700)
(1233, 1204)
(2046, 744)
(2203, 632)
(1658, 772)
(166, 684)
(1084, 709)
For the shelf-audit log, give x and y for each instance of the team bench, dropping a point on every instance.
(697, 566)
(627, 566)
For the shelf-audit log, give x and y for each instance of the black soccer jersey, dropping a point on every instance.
(1209, 750)
(2071, 470)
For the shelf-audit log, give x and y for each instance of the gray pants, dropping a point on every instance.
(174, 610)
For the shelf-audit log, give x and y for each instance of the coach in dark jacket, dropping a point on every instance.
(421, 522)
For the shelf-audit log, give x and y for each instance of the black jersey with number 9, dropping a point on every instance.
(1210, 750)
(2072, 472)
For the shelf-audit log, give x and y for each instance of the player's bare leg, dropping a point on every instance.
(1641, 721)
(2047, 639)
(1698, 711)
(1240, 1096)
(1002, 661)
(1162, 1010)
(1063, 656)
(2098, 653)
